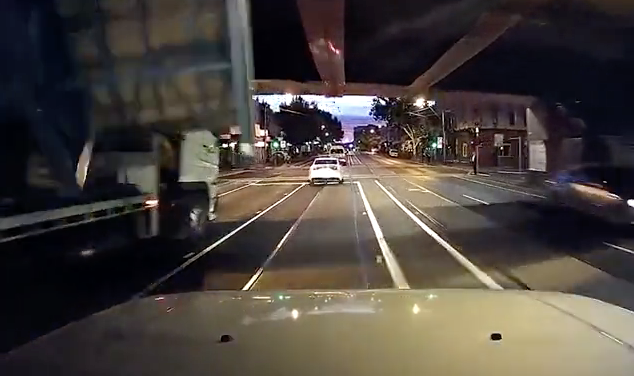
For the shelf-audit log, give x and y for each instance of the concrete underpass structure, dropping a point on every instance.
(88, 67)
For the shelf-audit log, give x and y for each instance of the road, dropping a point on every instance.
(392, 224)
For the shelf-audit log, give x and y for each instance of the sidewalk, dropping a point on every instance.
(299, 162)
(502, 175)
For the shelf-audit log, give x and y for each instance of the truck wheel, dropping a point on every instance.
(197, 221)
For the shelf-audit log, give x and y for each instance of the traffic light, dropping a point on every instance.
(275, 144)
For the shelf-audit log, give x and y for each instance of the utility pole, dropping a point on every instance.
(477, 150)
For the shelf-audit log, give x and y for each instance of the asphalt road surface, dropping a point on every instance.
(392, 224)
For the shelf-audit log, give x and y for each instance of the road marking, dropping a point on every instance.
(418, 190)
(200, 254)
(233, 173)
(253, 280)
(278, 183)
(398, 277)
(503, 188)
(224, 183)
(476, 271)
(237, 189)
(432, 219)
(432, 192)
(476, 199)
(619, 248)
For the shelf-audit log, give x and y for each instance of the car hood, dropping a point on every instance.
(430, 332)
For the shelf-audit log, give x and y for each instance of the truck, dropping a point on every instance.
(112, 111)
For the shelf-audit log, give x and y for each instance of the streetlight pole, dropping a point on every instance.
(477, 150)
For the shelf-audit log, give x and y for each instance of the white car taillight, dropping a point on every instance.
(334, 167)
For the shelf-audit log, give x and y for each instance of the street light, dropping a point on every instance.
(423, 103)
(371, 130)
(326, 134)
(323, 127)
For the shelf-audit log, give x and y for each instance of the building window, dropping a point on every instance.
(504, 150)
(512, 117)
(477, 116)
(494, 115)
(523, 117)
(465, 150)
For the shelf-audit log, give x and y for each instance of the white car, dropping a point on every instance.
(393, 153)
(339, 152)
(325, 170)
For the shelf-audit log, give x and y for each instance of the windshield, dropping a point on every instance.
(153, 148)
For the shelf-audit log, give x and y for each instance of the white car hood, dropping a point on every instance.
(369, 333)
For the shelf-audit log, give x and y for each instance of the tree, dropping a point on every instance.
(369, 140)
(402, 113)
(304, 122)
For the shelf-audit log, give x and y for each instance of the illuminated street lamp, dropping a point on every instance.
(423, 103)
(327, 134)
(371, 130)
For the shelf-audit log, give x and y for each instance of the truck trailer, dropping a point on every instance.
(112, 110)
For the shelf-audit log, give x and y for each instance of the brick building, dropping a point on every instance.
(500, 120)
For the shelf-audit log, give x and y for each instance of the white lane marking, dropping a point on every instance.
(476, 199)
(418, 190)
(398, 277)
(432, 219)
(619, 248)
(499, 187)
(278, 183)
(228, 182)
(254, 278)
(200, 254)
(476, 271)
(433, 193)
(237, 189)
(232, 173)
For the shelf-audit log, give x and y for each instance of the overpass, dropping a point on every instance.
(177, 63)
(558, 49)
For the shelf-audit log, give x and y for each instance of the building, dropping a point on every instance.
(499, 120)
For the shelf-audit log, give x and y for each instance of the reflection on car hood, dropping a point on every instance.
(430, 332)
